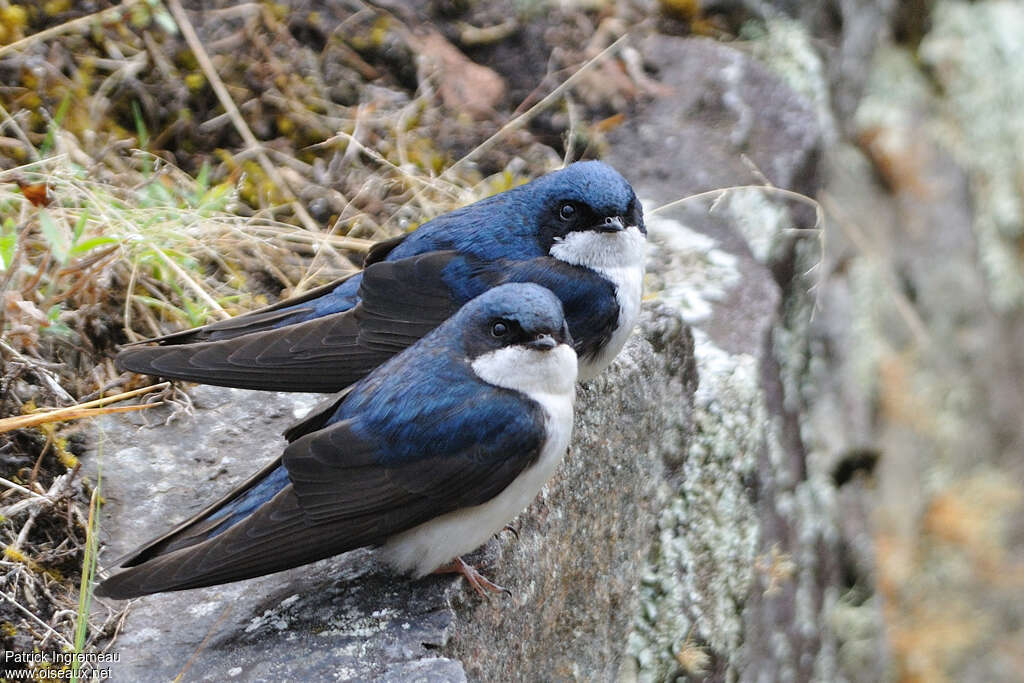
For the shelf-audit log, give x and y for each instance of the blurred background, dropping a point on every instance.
(164, 163)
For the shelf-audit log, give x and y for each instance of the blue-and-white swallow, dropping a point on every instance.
(426, 457)
(578, 232)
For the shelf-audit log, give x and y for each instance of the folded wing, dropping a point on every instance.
(343, 491)
(401, 301)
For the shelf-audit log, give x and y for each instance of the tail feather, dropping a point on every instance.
(262, 544)
(321, 355)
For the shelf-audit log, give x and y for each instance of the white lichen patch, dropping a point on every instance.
(708, 533)
(975, 51)
(687, 271)
(760, 219)
(200, 609)
(359, 625)
(785, 46)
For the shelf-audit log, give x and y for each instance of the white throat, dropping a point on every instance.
(529, 371)
(619, 257)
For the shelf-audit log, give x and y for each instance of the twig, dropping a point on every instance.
(39, 621)
(25, 529)
(51, 496)
(17, 487)
(42, 373)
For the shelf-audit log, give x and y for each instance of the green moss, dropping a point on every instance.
(195, 81)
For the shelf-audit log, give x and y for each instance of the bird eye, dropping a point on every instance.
(499, 329)
(567, 211)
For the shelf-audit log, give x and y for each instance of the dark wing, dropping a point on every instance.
(404, 300)
(197, 528)
(401, 302)
(273, 538)
(347, 493)
(321, 355)
(588, 299)
(380, 250)
(496, 437)
(284, 312)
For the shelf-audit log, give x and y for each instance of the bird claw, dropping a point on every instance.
(475, 579)
(515, 532)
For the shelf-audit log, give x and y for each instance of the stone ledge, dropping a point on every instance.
(573, 570)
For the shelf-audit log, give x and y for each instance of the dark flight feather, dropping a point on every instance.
(401, 302)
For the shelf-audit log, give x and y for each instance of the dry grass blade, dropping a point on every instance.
(64, 415)
(191, 283)
(85, 410)
(769, 189)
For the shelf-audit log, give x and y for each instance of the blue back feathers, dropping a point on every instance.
(506, 225)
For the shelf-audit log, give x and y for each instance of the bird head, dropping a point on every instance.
(521, 314)
(515, 336)
(585, 196)
(588, 213)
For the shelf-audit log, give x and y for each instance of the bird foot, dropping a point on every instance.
(477, 580)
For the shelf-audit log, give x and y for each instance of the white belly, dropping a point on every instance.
(549, 379)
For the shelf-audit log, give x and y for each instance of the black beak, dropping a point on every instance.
(543, 342)
(611, 224)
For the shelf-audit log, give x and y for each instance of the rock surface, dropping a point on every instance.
(582, 543)
(745, 576)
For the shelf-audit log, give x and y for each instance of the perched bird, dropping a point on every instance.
(579, 232)
(427, 457)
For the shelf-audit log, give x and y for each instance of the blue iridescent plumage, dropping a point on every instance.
(420, 436)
